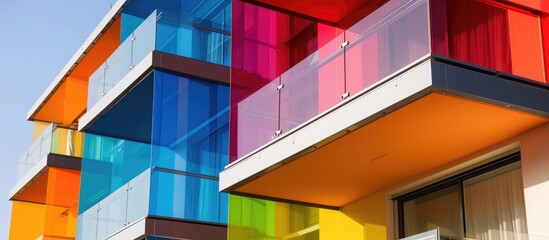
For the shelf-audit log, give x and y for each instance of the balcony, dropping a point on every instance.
(56, 147)
(396, 90)
(161, 41)
(124, 189)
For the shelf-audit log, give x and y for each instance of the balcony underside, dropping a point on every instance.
(35, 185)
(418, 121)
(331, 11)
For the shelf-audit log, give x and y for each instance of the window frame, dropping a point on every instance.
(448, 182)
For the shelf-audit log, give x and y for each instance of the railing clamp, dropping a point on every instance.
(345, 95)
(279, 87)
(344, 44)
(277, 133)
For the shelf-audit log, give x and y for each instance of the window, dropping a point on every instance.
(484, 203)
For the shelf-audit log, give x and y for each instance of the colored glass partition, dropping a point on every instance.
(252, 218)
(54, 217)
(190, 148)
(172, 173)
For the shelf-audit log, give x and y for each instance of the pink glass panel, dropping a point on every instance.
(257, 118)
(312, 86)
(383, 48)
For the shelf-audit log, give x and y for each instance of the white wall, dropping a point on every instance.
(535, 167)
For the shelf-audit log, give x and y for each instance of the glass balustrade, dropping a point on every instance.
(123, 207)
(386, 42)
(183, 36)
(124, 58)
(53, 140)
(393, 37)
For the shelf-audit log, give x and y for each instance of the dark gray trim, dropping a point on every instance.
(62, 161)
(183, 229)
(491, 87)
(191, 67)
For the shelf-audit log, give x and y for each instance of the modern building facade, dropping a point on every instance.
(386, 119)
(263, 119)
(140, 130)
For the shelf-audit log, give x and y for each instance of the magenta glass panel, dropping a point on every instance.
(256, 58)
(372, 22)
(313, 85)
(257, 118)
(382, 48)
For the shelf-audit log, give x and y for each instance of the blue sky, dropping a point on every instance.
(37, 38)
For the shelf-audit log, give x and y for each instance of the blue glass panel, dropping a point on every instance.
(190, 124)
(187, 197)
(198, 29)
(128, 24)
(107, 164)
(209, 13)
(193, 41)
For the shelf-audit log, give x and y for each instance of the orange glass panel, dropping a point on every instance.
(27, 220)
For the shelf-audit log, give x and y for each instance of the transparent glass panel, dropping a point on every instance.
(312, 86)
(45, 147)
(112, 213)
(494, 204)
(96, 86)
(138, 197)
(371, 22)
(440, 209)
(22, 166)
(385, 42)
(144, 39)
(87, 224)
(130, 52)
(118, 65)
(37, 151)
(258, 118)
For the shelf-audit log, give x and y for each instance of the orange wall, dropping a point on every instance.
(69, 100)
(27, 220)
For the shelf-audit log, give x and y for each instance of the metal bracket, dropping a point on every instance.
(344, 44)
(131, 67)
(279, 87)
(345, 95)
(277, 133)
